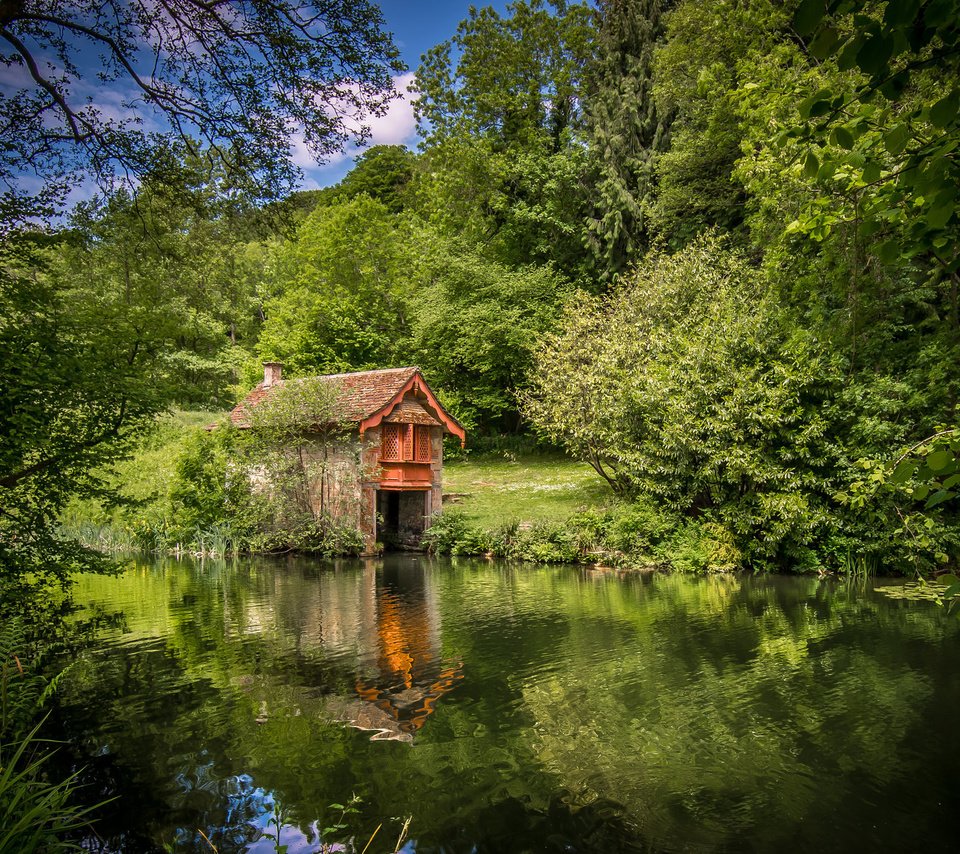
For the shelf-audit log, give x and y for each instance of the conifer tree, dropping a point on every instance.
(625, 131)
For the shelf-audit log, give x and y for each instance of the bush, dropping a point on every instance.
(451, 533)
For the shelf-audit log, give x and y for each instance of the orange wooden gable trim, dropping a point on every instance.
(416, 383)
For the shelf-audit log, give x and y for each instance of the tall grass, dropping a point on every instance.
(36, 813)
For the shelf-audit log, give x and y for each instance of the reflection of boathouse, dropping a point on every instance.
(382, 624)
(410, 677)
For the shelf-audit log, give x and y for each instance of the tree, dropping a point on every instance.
(238, 77)
(171, 259)
(384, 173)
(883, 135)
(625, 129)
(338, 293)
(476, 325)
(697, 80)
(498, 111)
(688, 385)
(79, 394)
(891, 132)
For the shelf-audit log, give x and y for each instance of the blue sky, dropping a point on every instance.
(417, 25)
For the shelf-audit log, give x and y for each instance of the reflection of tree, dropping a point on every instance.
(658, 710)
(701, 747)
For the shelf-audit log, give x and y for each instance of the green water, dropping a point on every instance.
(513, 708)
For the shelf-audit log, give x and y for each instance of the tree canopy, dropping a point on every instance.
(230, 80)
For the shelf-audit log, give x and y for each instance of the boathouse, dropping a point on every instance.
(384, 469)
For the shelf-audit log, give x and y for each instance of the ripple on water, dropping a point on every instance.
(536, 706)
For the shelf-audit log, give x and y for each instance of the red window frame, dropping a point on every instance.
(421, 445)
(405, 443)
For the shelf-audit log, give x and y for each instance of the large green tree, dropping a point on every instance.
(698, 73)
(476, 325)
(625, 129)
(91, 331)
(498, 110)
(690, 386)
(337, 297)
(81, 389)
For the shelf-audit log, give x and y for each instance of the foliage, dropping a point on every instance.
(625, 129)
(633, 535)
(885, 139)
(337, 296)
(688, 386)
(498, 110)
(170, 263)
(36, 814)
(893, 130)
(383, 173)
(475, 329)
(920, 488)
(236, 77)
(80, 392)
(699, 69)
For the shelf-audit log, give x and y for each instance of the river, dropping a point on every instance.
(511, 708)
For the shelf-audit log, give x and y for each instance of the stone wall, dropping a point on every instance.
(345, 481)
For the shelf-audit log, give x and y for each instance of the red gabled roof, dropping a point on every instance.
(365, 397)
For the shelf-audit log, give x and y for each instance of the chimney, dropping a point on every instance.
(271, 373)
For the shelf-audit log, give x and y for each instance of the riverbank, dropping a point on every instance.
(541, 508)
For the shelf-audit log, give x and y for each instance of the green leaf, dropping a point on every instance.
(921, 492)
(871, 172)
(889, 251)
(811, 165)
(874, 54)
(826, 170)
(938, 217)
(819, 108)
(848, 56)
(843, 138)
(899, 13)
(808, 15)
(893, 88)
(948, 580)
(806, 104)
(903, 471)
(938, 497)
(896, 140)
(945, 110)
(825, 42)
(938, 460)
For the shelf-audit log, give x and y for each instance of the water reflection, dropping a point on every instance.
(397, 694)
(514, 709)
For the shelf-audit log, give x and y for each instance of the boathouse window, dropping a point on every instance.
(421, 448)
(392, 442)
(405, 443)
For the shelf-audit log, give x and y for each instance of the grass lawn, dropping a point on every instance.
(529, 489)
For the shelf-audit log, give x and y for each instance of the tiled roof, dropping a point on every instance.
(362, 393)
(411, 412)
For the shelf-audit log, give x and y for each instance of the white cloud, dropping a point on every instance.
(398, 124)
